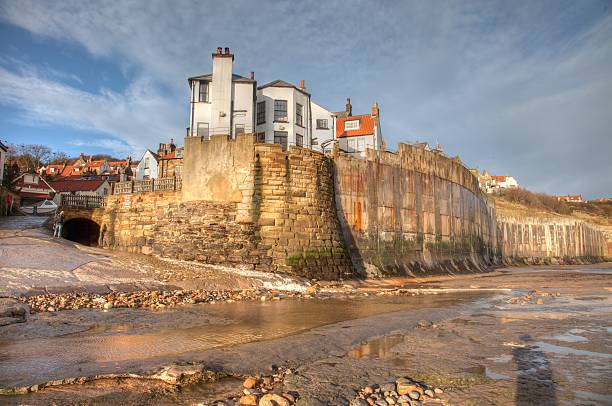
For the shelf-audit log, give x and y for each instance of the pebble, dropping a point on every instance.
(271, 399)
(404, 391)
(249, 383)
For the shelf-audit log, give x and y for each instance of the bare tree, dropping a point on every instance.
(29, 157)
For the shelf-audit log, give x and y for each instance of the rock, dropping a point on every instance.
(108, 306)
(387, 387)
(438, 391)
(404, 387)
(289, 397)
(430, 393)
(414, 395)
(248, 400)
(271, 399)
(249, 383)
(390, 400)
(539, 302)
(368, 390)
(50, 309)
(358, 402)
(424, 323)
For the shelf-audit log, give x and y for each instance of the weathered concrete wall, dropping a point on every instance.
(413, 211)
(531, 239)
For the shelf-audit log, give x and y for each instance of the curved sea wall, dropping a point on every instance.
(414, 212)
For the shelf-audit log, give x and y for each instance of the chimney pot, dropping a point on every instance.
(252, 75)
(302, 86)
(375, 109)
(227, 50)
(219, 50)
(349, 108)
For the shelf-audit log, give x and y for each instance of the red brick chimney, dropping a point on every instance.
(349, 108)
(219, 50)
(375, 109)
(302, 86)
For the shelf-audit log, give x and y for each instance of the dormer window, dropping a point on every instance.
(351, 125)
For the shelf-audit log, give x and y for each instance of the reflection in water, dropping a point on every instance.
(110, 344)
(379, 348)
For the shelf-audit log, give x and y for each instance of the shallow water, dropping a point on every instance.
(111, 342)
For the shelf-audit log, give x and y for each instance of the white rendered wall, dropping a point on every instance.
(357, 145)
(221, 92)
(244, 108)
(141, 172)
(292, 96)
(322, 135)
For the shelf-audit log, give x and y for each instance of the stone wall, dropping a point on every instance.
(414, 211)
(544, 239)
(293, 205)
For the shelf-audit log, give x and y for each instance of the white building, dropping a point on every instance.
(323, 129)
(284, 114)
(221, 102)
(147, 167)
(3, 151)
(503, 182)
(357, 133)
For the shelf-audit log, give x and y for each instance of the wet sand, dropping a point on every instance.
(482, 347)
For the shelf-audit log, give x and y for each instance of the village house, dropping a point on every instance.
(503, 182)
(62, 187)
(221, 102)
(3, 151)
(355, 134)
(570, 198)
(170, 160)
(278, 112)
(32, 188)
(52, 170)
(147, 168)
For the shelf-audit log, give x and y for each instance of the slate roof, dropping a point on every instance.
(235, 78)
(282, 83)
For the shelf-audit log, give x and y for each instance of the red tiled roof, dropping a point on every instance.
(366, 126)
(95, 163)
(72, 168)
(76, 185)
(499, 178)
(58, 168)
(34, 195)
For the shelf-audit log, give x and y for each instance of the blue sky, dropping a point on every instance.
(519, 88)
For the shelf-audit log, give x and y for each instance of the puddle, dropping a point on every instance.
(557, 349)
(494, 375)
(378, 348)
(570, 338)
(170, 333)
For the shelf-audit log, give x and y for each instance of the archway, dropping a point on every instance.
(81, 230)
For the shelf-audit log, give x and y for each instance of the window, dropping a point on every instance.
(360, 145)
(146, 163)
(239, 129)
(322, 124)
(203, 91)
(105, 192)
(280, 137)
(299, 118)
(203, 130)
(261, 137)
(351, 125)
(261, 112)
(299, 140)
(280, 110)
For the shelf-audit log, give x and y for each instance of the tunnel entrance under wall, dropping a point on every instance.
(81, 230)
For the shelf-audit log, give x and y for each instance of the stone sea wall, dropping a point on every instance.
(546, 239)
(414, 211)
(331, 217)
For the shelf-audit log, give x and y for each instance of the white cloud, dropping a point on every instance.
(521, 87)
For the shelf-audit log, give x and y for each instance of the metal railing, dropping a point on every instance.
(208, 132)
(83, 201)
(149, 185)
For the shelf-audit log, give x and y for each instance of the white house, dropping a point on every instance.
(3, 151)
(357, 133)
(147, 167)
(98, 187)
(503, 182)
(284, 114)
(323, 127)
(221, 102)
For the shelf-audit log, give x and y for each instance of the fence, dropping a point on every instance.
(149, 185)
(83, 201)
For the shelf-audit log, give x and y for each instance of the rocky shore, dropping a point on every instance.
(403, 391)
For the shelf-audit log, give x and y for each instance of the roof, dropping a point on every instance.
(69, 185)
(4, 147)
(34, 195)
(366, 126)
(71, 168)
(57, 167)
(235, 78)
(282, 83)
(95, 163)
(499, 178)
(41, 183)
(117, 163)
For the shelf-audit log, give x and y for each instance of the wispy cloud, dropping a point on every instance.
(521, 87)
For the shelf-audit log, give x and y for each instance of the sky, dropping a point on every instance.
(521, 88)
